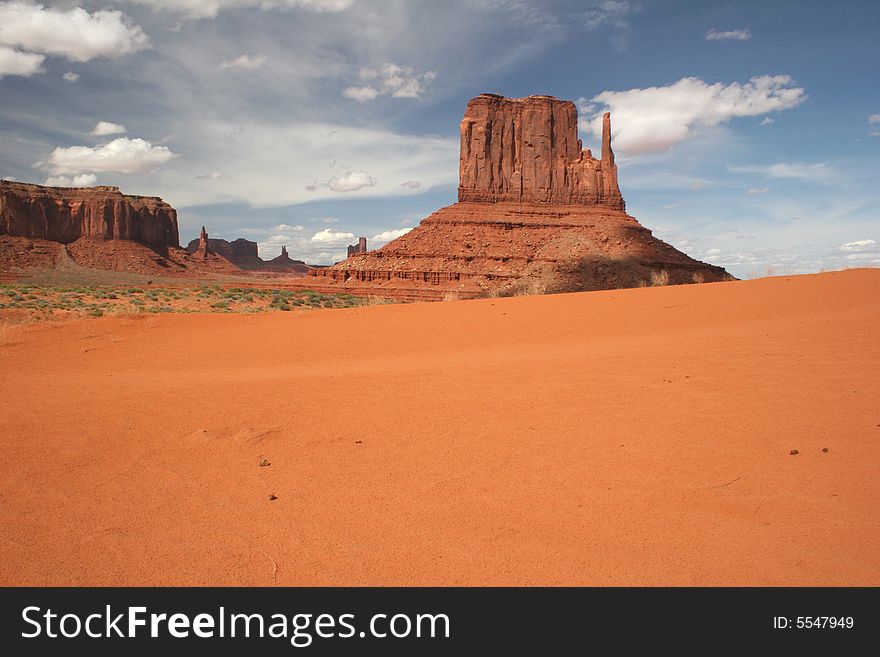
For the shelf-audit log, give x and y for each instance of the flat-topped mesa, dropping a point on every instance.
(66, 214)
(526, 150)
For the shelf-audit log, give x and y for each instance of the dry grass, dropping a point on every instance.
(451, 295)
(5, 333)
(659, 278)
(373, 300)
(698, 277)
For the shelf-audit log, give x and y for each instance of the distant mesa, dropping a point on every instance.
(536, 212)
(244, 254)
(66, 214)
(101, 228)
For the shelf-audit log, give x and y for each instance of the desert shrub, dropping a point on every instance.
(659, 278)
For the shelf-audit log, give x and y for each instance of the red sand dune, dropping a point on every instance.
(609, 438)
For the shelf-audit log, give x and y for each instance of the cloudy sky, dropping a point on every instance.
(747, 132)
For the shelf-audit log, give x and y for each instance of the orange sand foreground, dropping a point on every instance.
(605, 438)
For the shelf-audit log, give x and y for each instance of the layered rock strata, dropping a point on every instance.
(66, 214)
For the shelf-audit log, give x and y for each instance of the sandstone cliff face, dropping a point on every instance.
(536, 213)
(62, 214)
(527, 150)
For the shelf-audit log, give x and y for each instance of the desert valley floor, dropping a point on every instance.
(625, 437)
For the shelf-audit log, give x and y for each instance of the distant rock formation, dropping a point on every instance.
(66, 214)
(244, 254)
(360, 247)
(285, 264)
(536, 213)
(202, 249)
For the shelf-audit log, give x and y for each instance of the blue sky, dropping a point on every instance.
(747, 133)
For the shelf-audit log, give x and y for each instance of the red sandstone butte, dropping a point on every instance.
(66, 214)
(536, 213)
(527, 150)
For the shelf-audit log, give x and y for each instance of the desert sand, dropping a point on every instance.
(626, 437)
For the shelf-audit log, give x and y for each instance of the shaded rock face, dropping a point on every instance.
(244, 254)
(527, 150)
(63, 214)
(536, 213)
(240, 251)
(360, 247)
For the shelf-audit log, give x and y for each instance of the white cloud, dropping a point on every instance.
(74, 33)
(655, 119)
(350, 181)
(324, 247)
(293, 162)
(754, 191)
(387, 235)
(818, 172)
(360, 94)
(874, 118)
(70, 76)
(767, 121)
(80, 180)
(874, 133)
(122, 155)
(244, 63)
(728, 35)
(411, 184)
(104, 128)
(859, 246)
(15, 62)
(210, 8)
(214, 175)
(389, 79)
(332, 236)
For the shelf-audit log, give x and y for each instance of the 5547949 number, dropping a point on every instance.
(813, 622)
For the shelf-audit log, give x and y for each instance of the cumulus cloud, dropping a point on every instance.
(655, 119)
(15, 62)
(858, 246)
(874, 118)
(122, 155)
(387, 235)
(244, 63)
(767, 121)
(324, 247)
(73, 33)
(332, 236)
(70, 76)
(209, 8)
(104, 128)
(360, 94)
(389, 79)
(755, 191)
(80, 180)
(818, 172)
(728, 35)
(350, 181)
(214, 175)
(411, 184)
